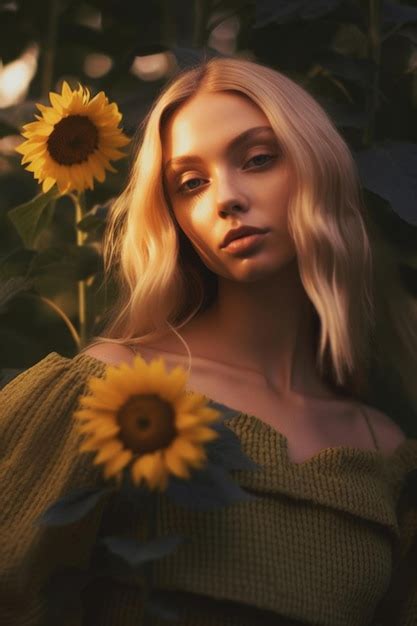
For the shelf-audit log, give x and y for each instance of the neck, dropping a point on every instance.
(266, 327)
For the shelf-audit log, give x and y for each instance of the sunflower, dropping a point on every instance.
(73, 141)
(141, 416)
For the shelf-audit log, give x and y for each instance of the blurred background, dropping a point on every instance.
(358, 58)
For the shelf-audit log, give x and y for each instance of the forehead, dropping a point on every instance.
(208, 120)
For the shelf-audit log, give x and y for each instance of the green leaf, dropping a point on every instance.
(10, 288)
(90, 223)
(388, 169)
(69, 261)
(208, 489)
(138, 552)
(30, 218)
(16, 263)
(72, 507)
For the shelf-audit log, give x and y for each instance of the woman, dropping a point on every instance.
(283, 326)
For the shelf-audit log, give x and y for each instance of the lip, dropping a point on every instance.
(242, 231)
(245, 244)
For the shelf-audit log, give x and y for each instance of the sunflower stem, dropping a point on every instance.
(151, 534)
(374, 53)
(49, 48)
(79, 203)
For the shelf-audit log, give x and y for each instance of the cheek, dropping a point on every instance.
(194, 224)
(197, 238)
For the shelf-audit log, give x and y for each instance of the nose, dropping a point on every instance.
(229, 193)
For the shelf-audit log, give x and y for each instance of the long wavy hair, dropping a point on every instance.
(365, 323)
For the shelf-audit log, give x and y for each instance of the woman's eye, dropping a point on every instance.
(188, 189)
(261, 156)
(183, 189)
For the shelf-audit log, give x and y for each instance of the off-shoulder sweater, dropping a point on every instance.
(317, 546)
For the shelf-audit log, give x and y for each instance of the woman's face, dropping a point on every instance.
(232, 177)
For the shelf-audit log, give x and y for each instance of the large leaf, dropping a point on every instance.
(343, 115)
(16, 263)
(73, 507)
(355, 70)
(68, 261)
(282, 11)
(209, 488)
(91, 223)
(389, 169)
(226, 451)
(10, 288)
(32, 217)
(395, 13)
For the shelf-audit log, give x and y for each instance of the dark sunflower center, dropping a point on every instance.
(73, 139)
(147, 423)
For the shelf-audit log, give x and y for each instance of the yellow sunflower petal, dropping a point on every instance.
(50, 116)
(97, 169)
(31, 167)
(47, 184)
(104, 161)
(64, 186)
(35, 154)
(190, 403)
(117, 463)
(150, 467)
(66, 93)
(176, 464)
(96, 104)
(56, 101)
(200, 434)
(175, 383)
(209, 414)
(34, 129)
(111, 153)
(157, 372)
(102, 387)
(27, 147)
(31, 158)
(191, 452)
(41, 135)
(114, 138)
(185, 420)
(93, 402)
(94, 443)
(108, 451)
(88, 414)
(102, 427)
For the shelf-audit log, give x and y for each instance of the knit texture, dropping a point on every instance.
(316, 547)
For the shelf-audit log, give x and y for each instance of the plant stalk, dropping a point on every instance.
(49, 49)
(374, 53)
(79, 203)
(151, 534)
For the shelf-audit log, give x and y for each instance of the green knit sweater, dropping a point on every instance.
(316, 547)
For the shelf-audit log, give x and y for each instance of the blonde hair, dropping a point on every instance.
(163, 283)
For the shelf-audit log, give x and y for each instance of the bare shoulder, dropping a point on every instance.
(112, 353)
(388, 433)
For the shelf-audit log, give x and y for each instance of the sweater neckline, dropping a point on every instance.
(245, 421)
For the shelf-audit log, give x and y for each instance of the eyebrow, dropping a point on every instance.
(244, 137)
